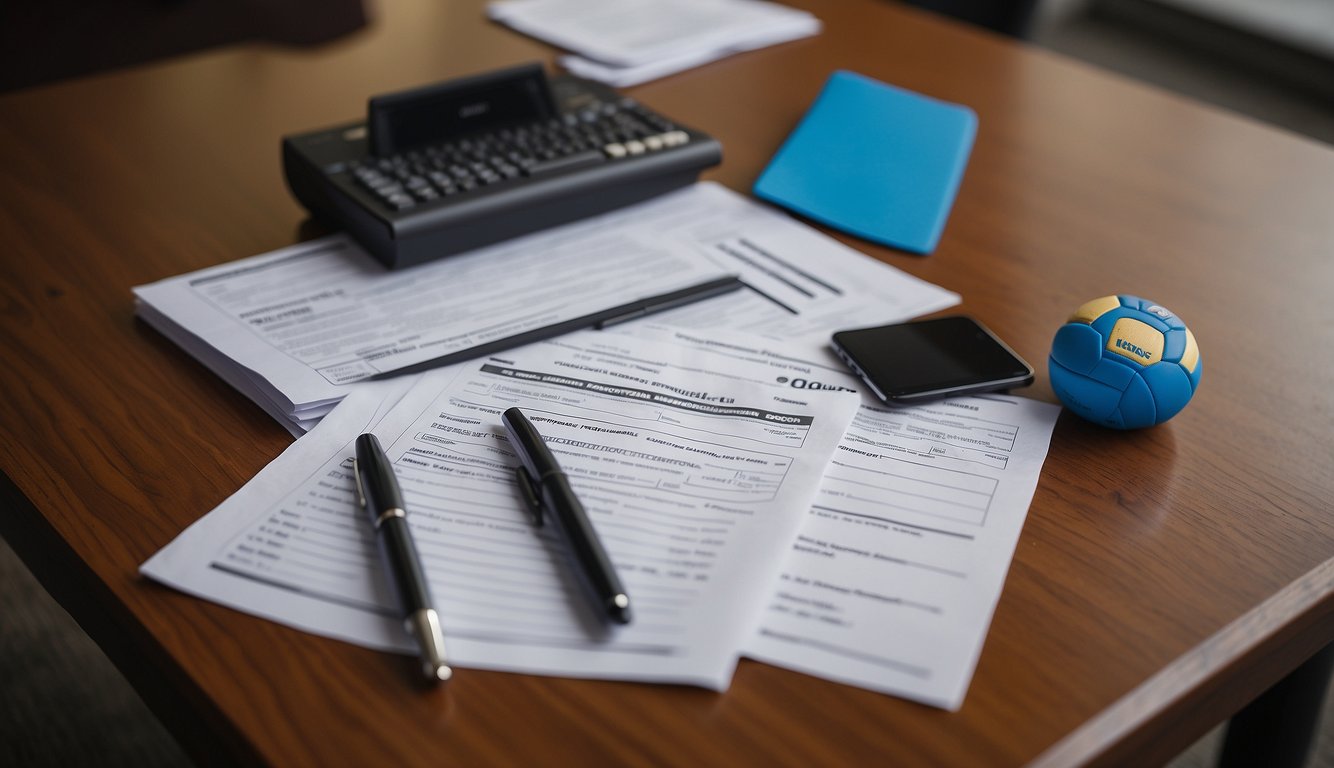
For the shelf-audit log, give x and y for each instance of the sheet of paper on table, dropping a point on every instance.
(696, 482)
(895, 573)
(633, 41)
(889, 582)
(294, 328)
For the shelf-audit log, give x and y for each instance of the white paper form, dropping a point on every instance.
(636, 32)
(293, 328)
(623, 77)
(311, 318)
(897, 570)
(894, 577)
(792, 26)
(696, 483)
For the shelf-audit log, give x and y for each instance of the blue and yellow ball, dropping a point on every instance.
(1124, 362)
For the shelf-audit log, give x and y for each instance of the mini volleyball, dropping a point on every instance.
(1124, 362)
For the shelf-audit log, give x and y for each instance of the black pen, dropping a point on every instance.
(548, 491)
(602, 319)
(379, 494)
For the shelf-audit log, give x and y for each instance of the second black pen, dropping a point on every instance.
(548, 492)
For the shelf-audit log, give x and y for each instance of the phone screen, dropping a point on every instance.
(931, 358)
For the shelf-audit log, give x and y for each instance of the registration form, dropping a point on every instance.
(897, 569)
(295, 329)
(893, 576)
(695, 480)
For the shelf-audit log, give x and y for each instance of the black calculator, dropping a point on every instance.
(451, 167)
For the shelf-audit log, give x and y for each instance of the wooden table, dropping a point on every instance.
(1164, 577)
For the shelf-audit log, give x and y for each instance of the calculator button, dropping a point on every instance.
(401, 202)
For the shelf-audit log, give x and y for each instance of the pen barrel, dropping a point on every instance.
(596, 571)
(403, 566)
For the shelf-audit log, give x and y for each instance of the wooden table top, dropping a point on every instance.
(1163, 578)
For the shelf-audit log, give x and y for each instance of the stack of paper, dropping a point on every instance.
(634, 41)
(699, 457)
(296, 328)
(751, 502)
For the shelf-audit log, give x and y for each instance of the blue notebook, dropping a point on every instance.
(875, 161)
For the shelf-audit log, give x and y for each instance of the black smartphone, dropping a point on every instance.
(923, 360)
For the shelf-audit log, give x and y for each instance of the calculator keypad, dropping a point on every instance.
(597, 134)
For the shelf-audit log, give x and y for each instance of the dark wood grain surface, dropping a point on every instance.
(1163, 578)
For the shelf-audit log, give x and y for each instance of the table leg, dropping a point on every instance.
(1278, 729)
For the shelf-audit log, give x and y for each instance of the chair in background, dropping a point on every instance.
(46, 40)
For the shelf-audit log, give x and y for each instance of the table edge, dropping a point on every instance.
(1264, 644)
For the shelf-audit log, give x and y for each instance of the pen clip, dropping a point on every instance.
(356, 477)
(531, 494)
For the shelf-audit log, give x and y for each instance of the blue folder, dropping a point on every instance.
(875, 161)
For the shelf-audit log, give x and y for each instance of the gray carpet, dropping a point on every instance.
(63, 704)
